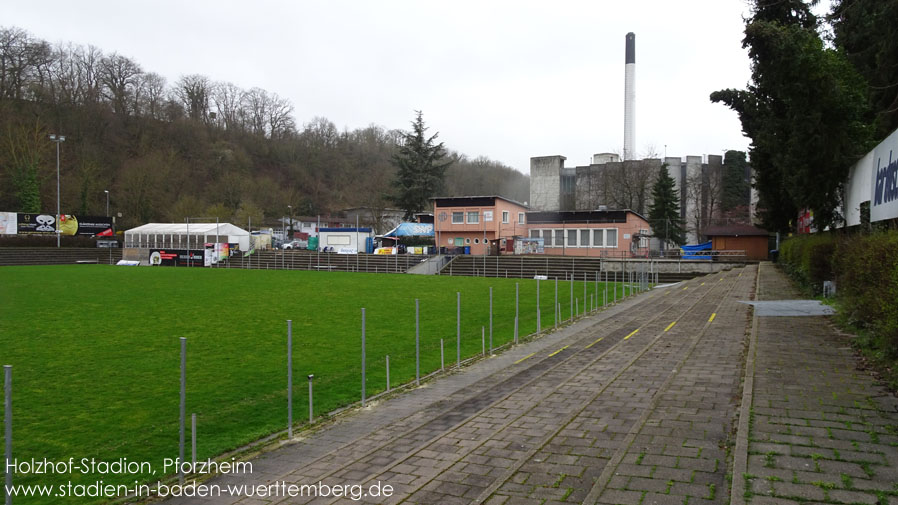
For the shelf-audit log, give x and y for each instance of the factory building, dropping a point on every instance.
(609, 182)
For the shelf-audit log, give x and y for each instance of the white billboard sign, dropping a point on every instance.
(884, 199)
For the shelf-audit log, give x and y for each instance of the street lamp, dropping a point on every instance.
(107, 201)
(58, 139)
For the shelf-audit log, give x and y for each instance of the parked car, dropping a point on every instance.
(295, 244)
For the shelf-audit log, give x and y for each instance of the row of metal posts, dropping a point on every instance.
(641, 277)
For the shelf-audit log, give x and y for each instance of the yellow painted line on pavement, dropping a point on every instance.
(702, 284)
(558, 351)
(669, 326)
(594, 343)
(713, 315)
(631, 334)
(685, 287)
(740, 274)
(525, 357)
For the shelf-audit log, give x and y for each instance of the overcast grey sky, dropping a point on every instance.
(502, 79)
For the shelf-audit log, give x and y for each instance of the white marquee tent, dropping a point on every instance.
(175, 235)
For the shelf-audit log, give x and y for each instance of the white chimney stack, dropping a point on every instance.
(630, 97)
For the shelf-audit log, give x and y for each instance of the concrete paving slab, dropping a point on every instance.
(790, 308)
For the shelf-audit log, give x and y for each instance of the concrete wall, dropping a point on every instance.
(693, 170)
(545, 182)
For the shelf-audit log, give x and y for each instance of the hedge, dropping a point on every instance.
(865, 268)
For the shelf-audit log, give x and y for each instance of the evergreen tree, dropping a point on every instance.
(864, 30)
(664, 212)
(420, 169)
(736, 186)
(804, 111)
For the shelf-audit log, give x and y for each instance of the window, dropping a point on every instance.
(505, 217)
(612, 237)
(559, 238)
(535, 234)
(598, 238)
(458, 218)
(584, 238)
(476, 240)
(459, 241)
(520, 218)
(473, 217)
(572, 238)
(467, 241)
(451, 241)
(643, 238)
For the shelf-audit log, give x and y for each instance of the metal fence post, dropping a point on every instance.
(182, 410)
(442, 357)
(458, 329)
(539, 325)
(311, 417)
(363, 357)
(388, 372)
(572, 296)
(491, 318)
(482, 341)
(417, 342)
(7, 430)
(555, 305)
(584, 292)
(516, 299)
(289, 378)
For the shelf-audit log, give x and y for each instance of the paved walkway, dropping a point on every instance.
(635, 405)
(820, 430)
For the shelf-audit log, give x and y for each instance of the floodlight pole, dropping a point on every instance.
(188, 241)
(58, 139)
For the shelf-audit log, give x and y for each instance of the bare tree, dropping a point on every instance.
(64, 81)
(255, 106)
(703, 197)
(24, 63)
(150, 96)
(118, 75)
(630, 184)
(87, 61)
(280, 116)
(194, 92)
(228, 100)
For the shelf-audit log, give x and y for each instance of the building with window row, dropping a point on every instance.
(480, 222)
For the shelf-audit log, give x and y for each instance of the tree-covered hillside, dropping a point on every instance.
(195, 147)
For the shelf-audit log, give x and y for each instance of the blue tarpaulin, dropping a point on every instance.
(411, 230)
(693, 252)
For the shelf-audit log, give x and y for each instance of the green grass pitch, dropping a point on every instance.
(95, 351)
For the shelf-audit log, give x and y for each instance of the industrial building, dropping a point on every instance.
(609, 182)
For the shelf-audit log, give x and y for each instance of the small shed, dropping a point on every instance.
(345, 240)
(739, 237)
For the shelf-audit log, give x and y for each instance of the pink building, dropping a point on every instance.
(612, 233)
(477, 221)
